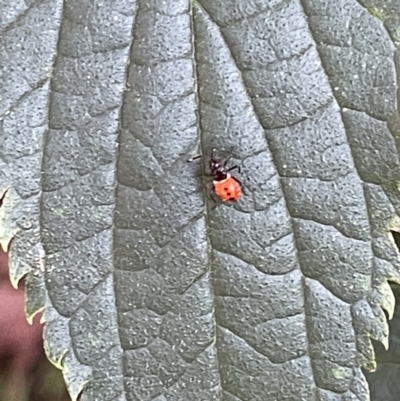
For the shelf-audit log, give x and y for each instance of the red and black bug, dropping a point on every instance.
(227, 187)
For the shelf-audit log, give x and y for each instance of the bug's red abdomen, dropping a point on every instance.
(228, 190)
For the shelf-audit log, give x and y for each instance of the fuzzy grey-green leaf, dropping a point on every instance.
(151, 291)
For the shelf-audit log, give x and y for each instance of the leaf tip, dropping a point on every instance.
(31, 315)
(385, 342)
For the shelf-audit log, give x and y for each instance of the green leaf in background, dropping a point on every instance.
(150, 292)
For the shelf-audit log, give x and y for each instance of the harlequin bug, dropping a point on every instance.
(225, 186)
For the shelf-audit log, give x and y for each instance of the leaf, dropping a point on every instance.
(384, 382)
(147, 293)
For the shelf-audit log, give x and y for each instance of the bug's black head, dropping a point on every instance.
(217, 169)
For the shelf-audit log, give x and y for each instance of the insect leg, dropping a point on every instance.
(233, 168)
(227, 160)
(194, 158)
(212, 197)
(241, 185)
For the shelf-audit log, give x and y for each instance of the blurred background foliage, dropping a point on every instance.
(25, 372)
